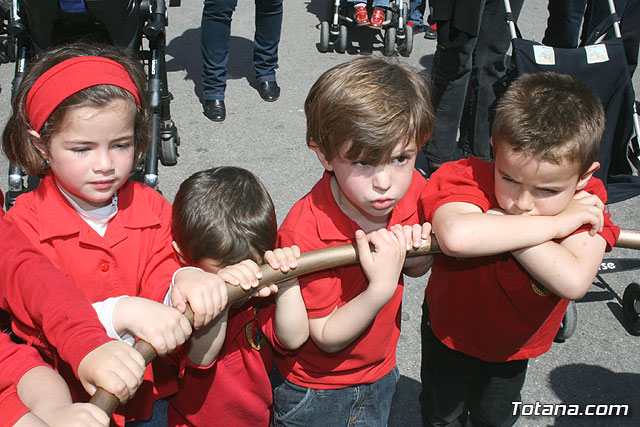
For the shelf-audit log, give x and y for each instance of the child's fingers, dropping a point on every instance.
(426, 231)
(178, 300)
(243, 275)
(416, 236)
(397, 231)
(407, 230)
(362, 245)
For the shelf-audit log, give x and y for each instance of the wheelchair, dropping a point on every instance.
(35, 25)
(396, 32)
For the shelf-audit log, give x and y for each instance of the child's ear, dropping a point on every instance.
(323, 160)
(587, 175)
(178, 252)
(37, 142)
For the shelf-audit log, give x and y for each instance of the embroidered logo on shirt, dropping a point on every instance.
(255, 337)
(539, 289)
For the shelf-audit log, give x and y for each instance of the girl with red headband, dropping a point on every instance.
(80, 122)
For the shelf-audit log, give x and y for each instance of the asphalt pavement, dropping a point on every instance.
(599, 365)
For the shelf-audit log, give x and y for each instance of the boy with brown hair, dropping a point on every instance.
(224, 222)
(521, 236)
(366, 120)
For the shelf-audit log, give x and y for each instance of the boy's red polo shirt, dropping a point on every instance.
(489, 307)
(235, 389)
(134, 258)
(316, 222)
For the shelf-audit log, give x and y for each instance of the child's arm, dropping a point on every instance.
(165, 328)
(290, 322)
(382, 268)
(46, 393)
(207, 342)
(463, 230)
(567, 268)
(42, 299)
(414, 235)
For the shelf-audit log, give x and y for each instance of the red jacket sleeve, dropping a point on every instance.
(43, 300)
(11, 407)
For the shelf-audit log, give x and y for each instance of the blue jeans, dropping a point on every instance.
(215, 37)
(457, 388)
(365, 405)
(416, 12)
(382, 4)
(158, 416)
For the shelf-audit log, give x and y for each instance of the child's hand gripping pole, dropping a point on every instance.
(308, 262)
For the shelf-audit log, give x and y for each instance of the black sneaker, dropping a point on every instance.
(431, 32)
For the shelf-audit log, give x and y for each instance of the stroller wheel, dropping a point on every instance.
(341, 47)
(406, 46)
(631, 308)
(389, 41)
(169, 141)
(324, 37)
(569, 323)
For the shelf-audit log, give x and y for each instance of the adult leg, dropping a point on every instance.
(267, 38)
(449, 78)
(563, 24)
(215, 33)
(597, 11)
(416, 12)
(488, 66)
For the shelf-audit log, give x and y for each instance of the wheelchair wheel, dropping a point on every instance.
(324, 37)
(169, 141)
(569, 323)
(406, 46)
(631, 308)
(389, 41)
(341, 47)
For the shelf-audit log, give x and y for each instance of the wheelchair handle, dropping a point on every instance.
(308, 262)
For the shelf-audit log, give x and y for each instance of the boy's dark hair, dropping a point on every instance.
(363, 108)
(225, 214)
(553, 117)
(16, 141)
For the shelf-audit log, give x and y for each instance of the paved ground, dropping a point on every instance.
(599, 365)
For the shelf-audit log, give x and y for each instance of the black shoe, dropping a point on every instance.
(269, 91)
(214, 109)
(430, 32)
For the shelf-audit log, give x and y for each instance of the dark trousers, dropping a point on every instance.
(565, 20)
(464, 69)
(457, 388)
(216, 33)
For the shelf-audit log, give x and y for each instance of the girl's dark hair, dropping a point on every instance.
(17, 142)
(224, 214)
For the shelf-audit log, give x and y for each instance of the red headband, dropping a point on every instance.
(69, 77)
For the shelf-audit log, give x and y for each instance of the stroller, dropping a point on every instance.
(35, 25)
(333, 30)
(619, 154)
